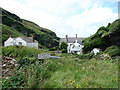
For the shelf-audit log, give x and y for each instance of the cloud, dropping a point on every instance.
(63, 17)
(89, 21)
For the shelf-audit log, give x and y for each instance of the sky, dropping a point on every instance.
(65, 17)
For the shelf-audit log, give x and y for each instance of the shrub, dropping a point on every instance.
(13, 82)
(86, 56)
(113, 51)
(63, 45)
(51, 49)
(19, 51)
(64, 50)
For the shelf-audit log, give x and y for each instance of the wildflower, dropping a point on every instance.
(116, 79)
(77, 86)
(74, 81)
(86, 83)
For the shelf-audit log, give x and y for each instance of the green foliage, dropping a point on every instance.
(66, 72)
(83, 73)
(13, 82)
(4, 12)
(113, 51)
(64, 50)
(104, 37)
(51, 49)
(85, 56)
(63, 45)
(7, 31)
(19, 51)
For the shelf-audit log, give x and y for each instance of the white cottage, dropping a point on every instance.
(75, 44)
(21, 41)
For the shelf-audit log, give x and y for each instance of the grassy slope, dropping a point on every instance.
(104, 37)
(86, 73)
(36, 28)
(44, 36)
(7, 31)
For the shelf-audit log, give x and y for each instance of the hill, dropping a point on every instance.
(15, 26)
(104, 37)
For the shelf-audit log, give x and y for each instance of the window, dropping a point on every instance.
(20, 43)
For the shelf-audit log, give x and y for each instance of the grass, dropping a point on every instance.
(66, 72)
(20, 51)
(83, 73)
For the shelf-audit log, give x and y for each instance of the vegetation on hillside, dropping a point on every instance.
(66, 72)
(6, 31)
(104, 37)
(113, 51)
(15, 27)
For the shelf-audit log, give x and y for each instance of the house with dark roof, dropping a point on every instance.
(75, 44)
(21, 41)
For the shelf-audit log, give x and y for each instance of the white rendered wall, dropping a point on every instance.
(32, 45)
(20, 40)
(95, 50)
(8, 42)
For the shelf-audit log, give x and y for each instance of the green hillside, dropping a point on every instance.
(15, 26)
(104, 37)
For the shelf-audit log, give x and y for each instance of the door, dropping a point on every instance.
(20, 43)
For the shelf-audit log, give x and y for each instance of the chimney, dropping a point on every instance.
(76, 36)
(66, 38)
(33, 37)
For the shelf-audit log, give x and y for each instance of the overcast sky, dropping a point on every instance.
(65, 17)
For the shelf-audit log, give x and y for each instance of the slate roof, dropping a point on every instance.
(27, 39)
(72, 39)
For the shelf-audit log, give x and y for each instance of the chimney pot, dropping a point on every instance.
(33, 37)
(66, 36)
(76, 35)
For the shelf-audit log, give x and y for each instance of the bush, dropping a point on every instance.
(113, 51)
(86, 56)
(63, 45)
(19, 51)
(13, 82)
(64, 50)
(51, 49)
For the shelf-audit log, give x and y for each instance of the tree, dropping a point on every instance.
(63, 45)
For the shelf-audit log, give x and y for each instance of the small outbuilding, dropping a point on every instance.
(96, 50)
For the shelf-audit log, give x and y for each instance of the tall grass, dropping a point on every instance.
(75, 73)
(67, 72)
(19, 51)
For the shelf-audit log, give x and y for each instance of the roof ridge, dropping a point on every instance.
(77, 37)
